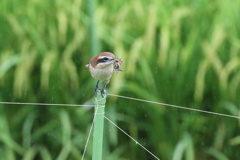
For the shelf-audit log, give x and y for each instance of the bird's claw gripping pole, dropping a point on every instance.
(98, 125)
(103, 90)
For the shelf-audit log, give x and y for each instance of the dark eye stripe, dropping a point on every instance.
(104, 59)
(100, 60)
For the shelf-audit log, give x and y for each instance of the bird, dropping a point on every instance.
(101, 68)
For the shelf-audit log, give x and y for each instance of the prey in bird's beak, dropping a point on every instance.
(117, 65)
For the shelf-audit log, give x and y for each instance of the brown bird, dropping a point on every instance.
(101, 68)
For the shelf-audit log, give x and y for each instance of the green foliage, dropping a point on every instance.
(179, 52)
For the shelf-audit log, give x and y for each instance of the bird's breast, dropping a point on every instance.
(102, 74)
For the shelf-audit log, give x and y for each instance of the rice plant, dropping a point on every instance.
(178, 52)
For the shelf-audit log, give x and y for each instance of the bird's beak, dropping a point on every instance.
(115, 60)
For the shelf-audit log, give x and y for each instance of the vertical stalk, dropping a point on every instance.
(94, 43)
(98, 127)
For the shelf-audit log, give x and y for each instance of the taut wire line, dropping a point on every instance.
(175, 106)
(49, 104)
(131, 138)
(90, 131)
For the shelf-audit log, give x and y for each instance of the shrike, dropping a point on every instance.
(102, 67)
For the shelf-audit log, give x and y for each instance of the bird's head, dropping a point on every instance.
(103, 60)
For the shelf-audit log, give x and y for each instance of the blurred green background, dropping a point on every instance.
(184, 53)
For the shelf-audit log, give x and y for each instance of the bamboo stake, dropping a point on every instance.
(98, 127)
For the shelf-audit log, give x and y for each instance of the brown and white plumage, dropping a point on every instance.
(101, 68)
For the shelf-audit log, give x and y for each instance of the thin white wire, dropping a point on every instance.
(132, 138)
(175, 106)
(48, 104)
(90, 131)
(136, 99)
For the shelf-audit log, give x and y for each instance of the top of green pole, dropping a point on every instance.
(98, 126)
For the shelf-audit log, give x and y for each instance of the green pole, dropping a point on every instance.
(98, 126)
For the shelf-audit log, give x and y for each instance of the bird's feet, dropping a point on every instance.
(103, 91)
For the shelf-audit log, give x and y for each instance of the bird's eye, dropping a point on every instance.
(105, 58)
